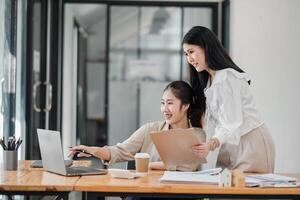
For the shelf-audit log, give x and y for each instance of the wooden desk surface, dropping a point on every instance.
(151, 184)
(34, 179)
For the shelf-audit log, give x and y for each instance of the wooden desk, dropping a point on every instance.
(150, 186)
(28, 180)
(34, 181)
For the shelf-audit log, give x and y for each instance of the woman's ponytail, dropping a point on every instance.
(197, 108)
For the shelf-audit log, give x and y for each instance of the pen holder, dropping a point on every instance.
(10, 160)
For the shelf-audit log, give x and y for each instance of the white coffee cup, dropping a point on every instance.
(142, 163)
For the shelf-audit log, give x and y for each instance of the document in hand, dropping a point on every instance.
(190, 177)
(175, 146)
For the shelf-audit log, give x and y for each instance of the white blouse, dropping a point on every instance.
(231, 109)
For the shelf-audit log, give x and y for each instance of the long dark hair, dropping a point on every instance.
(216, 56)
(184, 92)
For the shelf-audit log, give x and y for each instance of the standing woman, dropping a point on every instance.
(239, 131)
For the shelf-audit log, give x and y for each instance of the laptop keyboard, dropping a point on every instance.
(76, 170)
(82, 170)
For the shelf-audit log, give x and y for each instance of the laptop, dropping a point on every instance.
(174, 146)
(53, 158)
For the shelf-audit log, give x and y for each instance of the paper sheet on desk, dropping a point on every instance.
(189, 177)
(270, 180)
(205, 177)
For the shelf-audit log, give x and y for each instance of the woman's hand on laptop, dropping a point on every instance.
(88, 151)
(80, 151)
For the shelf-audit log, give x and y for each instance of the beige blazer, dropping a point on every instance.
(140, 141)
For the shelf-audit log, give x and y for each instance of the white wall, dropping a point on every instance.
(265, 42)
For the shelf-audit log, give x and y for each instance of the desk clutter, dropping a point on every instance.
(229, 178)
(12, 144)
(10, 152)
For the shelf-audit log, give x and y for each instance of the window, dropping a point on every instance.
(11, 64)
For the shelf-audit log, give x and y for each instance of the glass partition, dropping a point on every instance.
(7, 68)
(143, 58)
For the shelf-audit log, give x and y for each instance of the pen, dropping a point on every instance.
(12, 143)
(18, 143)
(208, 171)
(2, 144)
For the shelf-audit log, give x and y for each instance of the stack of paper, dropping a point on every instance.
(204, 177)
(271, 180)
(211, 177)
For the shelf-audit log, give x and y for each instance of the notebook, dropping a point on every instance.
(174, 146)
(53, 159)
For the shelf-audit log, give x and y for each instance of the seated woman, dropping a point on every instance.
(181, 109)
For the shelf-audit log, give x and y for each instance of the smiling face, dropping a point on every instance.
(175, 113)
(195, 56)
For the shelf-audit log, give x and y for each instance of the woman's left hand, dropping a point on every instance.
(201, 150)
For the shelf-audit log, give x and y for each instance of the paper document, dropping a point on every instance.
(213, 171)
(180, 152)
(189, 177)
(271, 180)
(211, 176)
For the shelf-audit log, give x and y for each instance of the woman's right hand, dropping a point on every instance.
(88, 151)
(80, 150)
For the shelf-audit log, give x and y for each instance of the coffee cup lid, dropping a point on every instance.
(142, 155)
